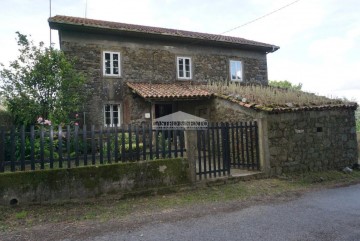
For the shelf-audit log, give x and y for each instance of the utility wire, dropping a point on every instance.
(247, 23)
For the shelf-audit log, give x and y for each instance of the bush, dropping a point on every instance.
(5, 118)
(120, 148)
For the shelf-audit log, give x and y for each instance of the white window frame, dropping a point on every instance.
(111, 64)
(183, 68)
(240, 69)
(111, 111)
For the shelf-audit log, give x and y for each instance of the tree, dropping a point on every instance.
(285, 84)
(41, 82)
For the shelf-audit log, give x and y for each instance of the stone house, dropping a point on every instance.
(137, 73)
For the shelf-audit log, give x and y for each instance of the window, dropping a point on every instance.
(111, 63)
(184, 68)
(236, 70)
(112, 115)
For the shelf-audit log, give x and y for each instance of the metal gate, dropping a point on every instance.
(223, 146)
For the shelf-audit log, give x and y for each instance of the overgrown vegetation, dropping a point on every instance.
(285, 84)
(41, 82)
(268, 96)
(357, 117)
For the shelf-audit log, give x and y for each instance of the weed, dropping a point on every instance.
(21, 215)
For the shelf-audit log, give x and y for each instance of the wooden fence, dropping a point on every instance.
(43, 147)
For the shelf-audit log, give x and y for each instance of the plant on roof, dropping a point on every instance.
(41, 82)
(271, 97)
(285, 84)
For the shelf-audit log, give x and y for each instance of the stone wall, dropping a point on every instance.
(60, 185)
(149, 60)
(134, 108)
(311, 141)
(222, 110)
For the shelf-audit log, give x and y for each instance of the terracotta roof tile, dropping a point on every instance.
(58, 20)
(168, 90)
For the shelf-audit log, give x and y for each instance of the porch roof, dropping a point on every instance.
(169, 91)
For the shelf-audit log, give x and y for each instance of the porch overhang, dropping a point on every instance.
(169, 91)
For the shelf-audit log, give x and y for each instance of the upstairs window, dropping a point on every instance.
(112, 115)
(111, 64)
(184, 68)
(236, 73)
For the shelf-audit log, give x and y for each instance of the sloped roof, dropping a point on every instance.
(64, 22)
(283, 109)
(168, 90)
(176, 91)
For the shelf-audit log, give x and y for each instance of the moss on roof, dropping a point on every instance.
(274, 99)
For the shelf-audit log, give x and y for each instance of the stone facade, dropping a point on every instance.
(225, 111)
(312, 140)
(149, 61)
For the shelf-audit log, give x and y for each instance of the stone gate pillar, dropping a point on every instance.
(191, 152)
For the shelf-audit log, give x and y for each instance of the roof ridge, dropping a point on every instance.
(62, 19)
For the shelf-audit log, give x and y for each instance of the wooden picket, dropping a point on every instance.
(46, 147)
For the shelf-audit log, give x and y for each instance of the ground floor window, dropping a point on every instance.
(112, 115)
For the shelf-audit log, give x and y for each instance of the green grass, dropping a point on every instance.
(21, 215)
(114, 207)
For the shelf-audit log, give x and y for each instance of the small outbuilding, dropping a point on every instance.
(298, 131)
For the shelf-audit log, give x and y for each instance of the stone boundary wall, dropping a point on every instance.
(93, 181)
(311, 141)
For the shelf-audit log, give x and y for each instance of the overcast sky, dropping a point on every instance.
(319, 39)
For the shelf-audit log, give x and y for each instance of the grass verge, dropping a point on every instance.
(102, 210)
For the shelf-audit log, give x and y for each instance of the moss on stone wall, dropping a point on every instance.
(91, 181)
